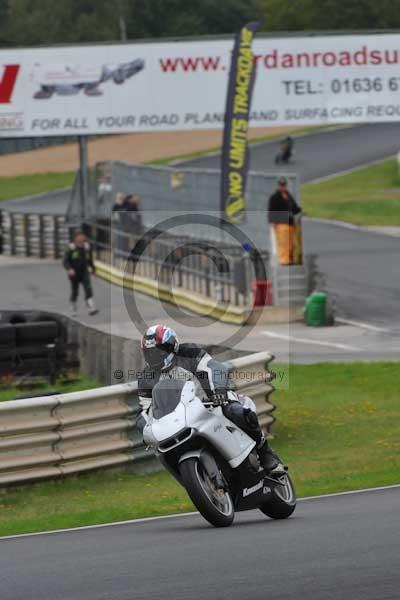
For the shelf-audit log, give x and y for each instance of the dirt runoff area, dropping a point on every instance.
(133, 148)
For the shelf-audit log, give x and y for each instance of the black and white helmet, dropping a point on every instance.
(159, 345)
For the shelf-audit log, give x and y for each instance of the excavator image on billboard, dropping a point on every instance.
(70, 79)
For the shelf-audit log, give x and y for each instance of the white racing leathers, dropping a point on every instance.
(211, 377)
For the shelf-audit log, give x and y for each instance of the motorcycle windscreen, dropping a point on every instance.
(166, 397)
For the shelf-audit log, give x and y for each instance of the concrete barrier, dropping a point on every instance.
(67, 434)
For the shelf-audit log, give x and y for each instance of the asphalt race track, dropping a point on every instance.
(57, 205)
(361, 268)
(335, 548)
(324, 153)
(361, 271)
(43, 284)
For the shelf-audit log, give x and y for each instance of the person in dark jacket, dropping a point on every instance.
(282, 210)
(133, 219)
(167, 359)
(127, 220)
(78, 262)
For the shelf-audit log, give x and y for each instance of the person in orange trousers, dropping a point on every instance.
(282, 210)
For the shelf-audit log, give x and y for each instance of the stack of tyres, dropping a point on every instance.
(49, 226)
(36, 348)
(7, 349)
(34, 235)
(20, 238)
(315, 310)
(35, 344)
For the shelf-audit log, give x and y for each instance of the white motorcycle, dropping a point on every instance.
(214, 460)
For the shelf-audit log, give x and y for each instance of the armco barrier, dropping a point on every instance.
(71, 433)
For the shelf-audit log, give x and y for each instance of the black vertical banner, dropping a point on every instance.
(234, 159)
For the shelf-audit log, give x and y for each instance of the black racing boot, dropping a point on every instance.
(267, 458)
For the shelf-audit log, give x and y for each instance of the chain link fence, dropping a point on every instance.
(222, 273)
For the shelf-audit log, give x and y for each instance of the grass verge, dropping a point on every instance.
(27, 185)
(83, 383)
(369, 196)
(337, 427)
(24, 185)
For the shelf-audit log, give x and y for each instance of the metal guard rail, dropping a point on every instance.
(217, 271)
(67, 434)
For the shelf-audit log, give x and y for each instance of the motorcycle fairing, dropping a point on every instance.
(211, 424)
(254, 489)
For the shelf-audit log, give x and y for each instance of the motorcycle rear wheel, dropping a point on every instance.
(217, 510)
(282, 501)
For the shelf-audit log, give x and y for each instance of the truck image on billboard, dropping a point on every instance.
(70, 79)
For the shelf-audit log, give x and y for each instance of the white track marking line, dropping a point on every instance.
(100, 525)
(362, 491)
(362, 325)
(351, 226)
(191, 514)
(290, 338)
(336, 223)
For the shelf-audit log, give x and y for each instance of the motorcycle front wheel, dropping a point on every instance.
(216, 506)
(282, 501)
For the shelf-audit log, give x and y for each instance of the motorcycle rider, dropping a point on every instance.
(285, 151)
(166, 358)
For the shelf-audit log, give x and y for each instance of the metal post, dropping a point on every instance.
(247, 296)
(83, 176)
(121, 20)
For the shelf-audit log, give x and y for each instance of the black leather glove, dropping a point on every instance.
(251, 419)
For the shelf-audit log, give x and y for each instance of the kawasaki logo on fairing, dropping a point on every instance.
(251, 490)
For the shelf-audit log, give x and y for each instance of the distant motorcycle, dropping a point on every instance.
(214, 460)
(286, 151)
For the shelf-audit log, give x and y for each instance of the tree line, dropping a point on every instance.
(38, 22)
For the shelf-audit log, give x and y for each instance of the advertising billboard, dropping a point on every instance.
(97, 89)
